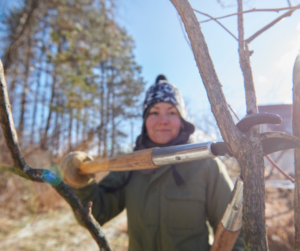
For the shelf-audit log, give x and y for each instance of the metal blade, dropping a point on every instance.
(271, 141)
(249, 121)
(278, 141)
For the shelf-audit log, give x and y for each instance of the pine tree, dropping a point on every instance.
(74, 73)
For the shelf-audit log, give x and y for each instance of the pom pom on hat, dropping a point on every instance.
(160, 77)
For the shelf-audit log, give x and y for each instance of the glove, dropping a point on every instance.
(70, 165)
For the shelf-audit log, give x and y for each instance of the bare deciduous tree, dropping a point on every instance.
(247, 147)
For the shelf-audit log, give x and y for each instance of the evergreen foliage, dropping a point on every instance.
(71, 73)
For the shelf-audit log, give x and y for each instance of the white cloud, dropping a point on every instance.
(288, 101)
(262, 79)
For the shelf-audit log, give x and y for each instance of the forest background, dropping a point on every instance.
(160, 46)
(77, 70)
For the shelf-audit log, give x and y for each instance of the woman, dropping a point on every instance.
(170, 208)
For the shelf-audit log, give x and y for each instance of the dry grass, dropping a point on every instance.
(33, 216)
(280, 219)
(58, 230)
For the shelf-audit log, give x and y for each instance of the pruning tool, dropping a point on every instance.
(231, 223)
(156, 157)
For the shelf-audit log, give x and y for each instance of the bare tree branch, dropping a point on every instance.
(207, 71)
(42, 175)
(253, 172)
(217, 22)
(21, 32)
(287, 14)
(296, 130)
(184, 34)
(234, 112)
(249, 11)
(289, 3)
(246, 148)
(280, 170)
(245, 65)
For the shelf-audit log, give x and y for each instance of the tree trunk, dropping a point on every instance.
(25, 89)
(58, 132)
(296, 130)
(45, 136)
(12, 86)
(78, 126)
(44, 91)
(246, 148)
(244, 56)
(107, 117)
(113, 118)
(70, 129)
(37, 93)
(100, 130)
(254, 201)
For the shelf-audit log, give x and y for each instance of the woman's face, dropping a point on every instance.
(163, 123)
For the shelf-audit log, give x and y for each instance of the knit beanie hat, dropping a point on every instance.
(163, 91)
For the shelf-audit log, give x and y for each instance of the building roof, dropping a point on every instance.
(283, 110)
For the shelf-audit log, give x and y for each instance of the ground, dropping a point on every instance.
(58, 230)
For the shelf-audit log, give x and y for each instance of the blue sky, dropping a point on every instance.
(162, 48)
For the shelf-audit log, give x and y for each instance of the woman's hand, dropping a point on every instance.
(70, 165)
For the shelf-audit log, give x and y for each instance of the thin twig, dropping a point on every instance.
(233, 111)
(272, 168)
(267, 157)
(280, 170)
(244, 55)
(250, 39)
(184, 34)
(9, 54)
(42, 175)
(289, 3)
(248, 11)
(218, 23)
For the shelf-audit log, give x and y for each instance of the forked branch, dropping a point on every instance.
(208, 74)
(246, 148)
(244, 56)
(42, 175)
(205, 14)
(256, 34)
(249, 11)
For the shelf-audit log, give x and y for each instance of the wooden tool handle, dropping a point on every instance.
(135, 161)
(224, 239)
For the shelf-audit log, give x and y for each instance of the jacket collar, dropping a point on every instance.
(158, 173)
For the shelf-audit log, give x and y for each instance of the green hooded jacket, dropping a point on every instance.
(164, 216)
